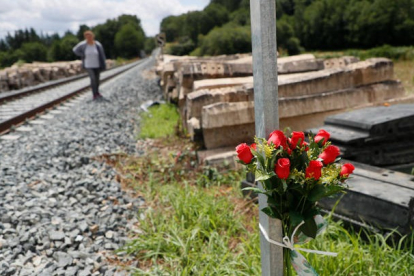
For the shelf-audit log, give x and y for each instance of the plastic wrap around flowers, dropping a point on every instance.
(294, 175)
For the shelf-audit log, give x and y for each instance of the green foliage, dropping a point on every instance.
(105, 33)
(196, 52)
(214, 15)
(229, 39)
(172, 27)
(193, 30)
(361, 252)
(391, 52)
(160, 121)
(286, 36)
(338, 24)
(230, 5)
(20, 37)
(9, 57)
(395, 53)
(192, 230)
(240, 17)
(313, 24)
(82, 29)
(183, 47)
(197, 223)
(62, 49)
(149, 45)
(34, 51)
(129, 41)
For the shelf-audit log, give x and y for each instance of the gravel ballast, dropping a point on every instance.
(61, 211)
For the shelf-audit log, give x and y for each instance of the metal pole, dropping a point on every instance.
(263, 24)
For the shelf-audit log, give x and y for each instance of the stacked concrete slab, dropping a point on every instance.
(28, 74)
(216, 104)
(380, 136)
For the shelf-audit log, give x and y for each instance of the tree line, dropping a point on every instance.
(223, 27)
(121, 37)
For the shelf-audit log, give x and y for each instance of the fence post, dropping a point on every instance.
(263, 26)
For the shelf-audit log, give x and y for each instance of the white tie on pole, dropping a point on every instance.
(263, 24)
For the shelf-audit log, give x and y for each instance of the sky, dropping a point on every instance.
(58, 16)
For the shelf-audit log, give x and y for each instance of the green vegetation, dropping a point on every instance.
(361, 253)
(227, 40)
(129, 41)
(160, 121)
(309, 24)
(120, 37)
(196, 231)
(394, 53)
(198, 223)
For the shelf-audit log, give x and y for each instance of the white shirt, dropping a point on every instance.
(91, 56)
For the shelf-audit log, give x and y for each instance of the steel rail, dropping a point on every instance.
(5, 126)
(27, 91)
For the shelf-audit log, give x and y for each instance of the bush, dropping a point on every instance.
(9, 58)
(183, 47)
(129, 41)
(229, 39)
(34, 51)
(395, 53)
(293, 46)
(149, 45)
(62, 49)
(286, 38)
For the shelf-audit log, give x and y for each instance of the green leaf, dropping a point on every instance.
(309, 228)
(333, 189)
(318, 192)
(273, 201)
(284, 185)
(310, 213)
(272, 161)
(261, 159)
(295, 218)
(254, 189)
(261, 176)
(268, 211)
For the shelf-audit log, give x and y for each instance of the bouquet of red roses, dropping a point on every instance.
(294, 175)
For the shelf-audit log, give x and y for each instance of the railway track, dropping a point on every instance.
(18, 106)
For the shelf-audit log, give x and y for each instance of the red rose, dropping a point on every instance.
(297, 139)
(322, 134)
(278, 138)
(346, 170)
(314, 169)
(244, 153)
(282, 168)
(253, 146)
(306, 146)
(329, 154)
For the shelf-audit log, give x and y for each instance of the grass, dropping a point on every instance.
(361, 253)
(196, 221)
(160, 121)
(394, 53)
(404, 71)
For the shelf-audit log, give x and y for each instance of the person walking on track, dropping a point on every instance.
(93, 60)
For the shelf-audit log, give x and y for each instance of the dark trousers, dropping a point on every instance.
(94, 76)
